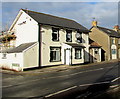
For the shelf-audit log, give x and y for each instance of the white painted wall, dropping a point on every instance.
(13, 58)
(31, 57)
(47, 42)
(27, 32)
(114, 56)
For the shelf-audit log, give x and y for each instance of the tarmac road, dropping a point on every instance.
(44, 84)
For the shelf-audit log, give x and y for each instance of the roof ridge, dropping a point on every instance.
(49, 15)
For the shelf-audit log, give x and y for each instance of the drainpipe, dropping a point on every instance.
(40, 43)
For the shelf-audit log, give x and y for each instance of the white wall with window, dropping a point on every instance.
(114, 52)
(113, 40)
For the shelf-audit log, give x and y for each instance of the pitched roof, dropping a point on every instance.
(93, 44)
(20, 48)
(47, 19)
(109, 32)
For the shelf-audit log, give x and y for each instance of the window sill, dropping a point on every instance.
(78, 58)
(55, 40)
(56, 61)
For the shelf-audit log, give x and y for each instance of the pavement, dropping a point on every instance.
(55, 68)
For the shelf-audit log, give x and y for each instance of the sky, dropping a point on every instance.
(106, 13)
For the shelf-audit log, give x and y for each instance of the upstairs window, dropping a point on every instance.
(79, 37)
(113, 40)
(68, 35)
(78, 53)
(55, 54)
(55, 34)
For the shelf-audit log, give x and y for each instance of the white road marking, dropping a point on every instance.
(115, 79)
(60, 91)
(114, 86)
(94, 83)
(74, 87)
(58, 76)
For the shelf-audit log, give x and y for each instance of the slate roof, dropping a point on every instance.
(47, 19)
(20, 48)
(109, 32)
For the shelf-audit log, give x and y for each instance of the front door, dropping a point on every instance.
(67, 57)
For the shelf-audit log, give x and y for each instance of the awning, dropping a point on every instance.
(76, 45)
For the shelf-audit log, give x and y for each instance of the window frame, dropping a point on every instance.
(79, 39)
(55, 31)
(69, 32)
(51, 60)
(113, 41)
(80, 49)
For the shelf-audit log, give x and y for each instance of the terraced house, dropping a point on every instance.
(59, 40)
(109, 39)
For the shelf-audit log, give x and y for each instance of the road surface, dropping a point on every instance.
(46, 84)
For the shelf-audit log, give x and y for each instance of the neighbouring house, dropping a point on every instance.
(109, 39)
(60, 40)
(95, 51)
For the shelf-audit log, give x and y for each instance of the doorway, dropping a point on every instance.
(67, 57)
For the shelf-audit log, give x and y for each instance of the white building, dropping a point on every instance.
(60, 40)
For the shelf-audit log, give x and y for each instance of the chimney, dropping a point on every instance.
(116, 28)
(94, 23)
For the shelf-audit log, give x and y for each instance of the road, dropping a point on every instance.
(46, 84)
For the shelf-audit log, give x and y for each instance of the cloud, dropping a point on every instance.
(82, 12)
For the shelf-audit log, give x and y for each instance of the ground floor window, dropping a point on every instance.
(78, 53)
(55, 54)
(113, 51)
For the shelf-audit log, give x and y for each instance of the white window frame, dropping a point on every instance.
(79, 37)
(57, 51)
(113, 40)
(69, 35)
(78, 53)
(55, 31)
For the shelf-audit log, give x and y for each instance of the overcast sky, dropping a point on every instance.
(106, 13)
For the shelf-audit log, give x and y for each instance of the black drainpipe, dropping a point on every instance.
(40, 43)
